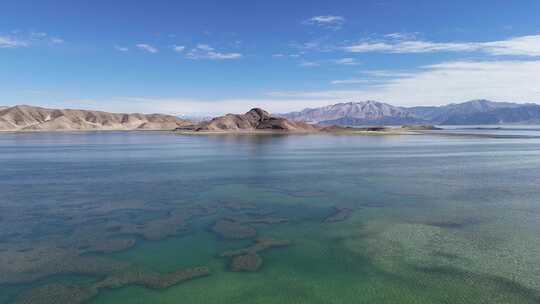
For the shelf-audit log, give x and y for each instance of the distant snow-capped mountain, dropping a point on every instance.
(355, 113)
(378, 113)
(452, 112)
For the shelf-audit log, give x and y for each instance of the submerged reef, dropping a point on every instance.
(230, 229)
(247, 262)
(150, 279)
(76, 238)
(339, 215)
(18, 265)
(59, 293)
(247, 259)
(71, 240)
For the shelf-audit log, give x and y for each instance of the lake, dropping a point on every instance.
(154, 217)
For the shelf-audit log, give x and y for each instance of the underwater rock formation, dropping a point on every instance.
(233, 230)
(247, 259)
(152, 280)
(73, 294)
(339, 215)
(247, 262)
(58, 293)
(19, 265)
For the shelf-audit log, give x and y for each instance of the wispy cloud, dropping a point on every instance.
(19, 39)
(223, 56)
(179, 48)
(401, 36)
(204, 47)
(56, 40)
(352, 81)
(205, 51)
(121, 48)
(518, 46)
(442, 83)
(7, 42)
(327, 21)
(147, 48)
(347, 61)
(308, 64)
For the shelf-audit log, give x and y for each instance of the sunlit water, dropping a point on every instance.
(435, 219)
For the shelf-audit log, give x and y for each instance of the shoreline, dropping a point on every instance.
(237, 132)
(391, 132)
(359, 132)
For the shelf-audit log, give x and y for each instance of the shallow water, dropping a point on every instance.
(434, 219)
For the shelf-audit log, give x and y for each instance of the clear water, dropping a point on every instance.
(436, 219)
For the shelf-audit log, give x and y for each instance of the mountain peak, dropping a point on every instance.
(259, 113)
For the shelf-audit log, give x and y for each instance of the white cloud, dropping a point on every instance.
(18, 39)
(328, 21)
(278, 55)
(204, 51)
(525, 45)
(9, 42)
(347, 61)
(56, 40)
(434, 84)
(179, 48)
(522, 46)
(223, 56)
(205, 47)
(352, 81)
(388, 73)
(400, 36)
(147, 48)
(121, 48)
(444, 83)
(308, 64)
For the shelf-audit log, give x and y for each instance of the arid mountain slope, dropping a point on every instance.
(29, 118)
(378, 113)
(366, 112)
(254, 120)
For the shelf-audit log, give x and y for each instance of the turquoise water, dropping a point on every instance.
(433, 219)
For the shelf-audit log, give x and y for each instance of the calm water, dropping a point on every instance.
(424, 219)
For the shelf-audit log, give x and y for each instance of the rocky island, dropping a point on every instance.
(259, 121)
(255, 120)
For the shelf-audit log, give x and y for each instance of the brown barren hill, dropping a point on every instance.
(254, 120)
(30, 118)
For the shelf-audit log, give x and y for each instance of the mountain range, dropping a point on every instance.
(29, 118)
(378, 113)
(475, 112)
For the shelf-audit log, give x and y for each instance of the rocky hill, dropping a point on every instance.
(29, 118)
(254, 120)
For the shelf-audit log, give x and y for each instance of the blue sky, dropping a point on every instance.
(211, 57)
